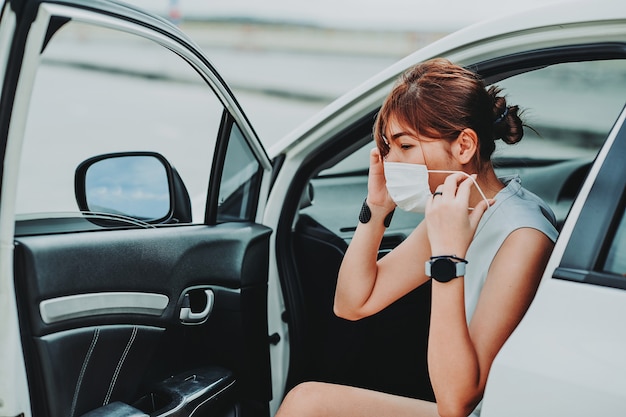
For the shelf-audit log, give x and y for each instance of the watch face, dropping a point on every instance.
(443, 270)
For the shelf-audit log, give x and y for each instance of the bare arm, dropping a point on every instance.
(459, 356)
(365, 286)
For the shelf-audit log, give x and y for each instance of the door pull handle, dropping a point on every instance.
(187, 314)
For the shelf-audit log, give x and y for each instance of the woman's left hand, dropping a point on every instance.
(449, 223)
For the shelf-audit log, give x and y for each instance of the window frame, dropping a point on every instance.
(595, 227)
(494, 70)
(137, 24)
(213, 212)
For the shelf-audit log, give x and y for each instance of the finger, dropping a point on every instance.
(377, 193)
(450, 185)
(376, 161)
(465, 188)
(374, 156)
(478, 211)
(436, 195)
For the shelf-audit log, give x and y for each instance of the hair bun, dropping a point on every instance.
(502, 116)
(507, 124)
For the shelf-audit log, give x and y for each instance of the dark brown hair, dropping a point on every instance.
(439, 99)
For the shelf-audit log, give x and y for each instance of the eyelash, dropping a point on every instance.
(406, 146)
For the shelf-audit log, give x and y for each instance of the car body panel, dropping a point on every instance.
(6, 35)
(13, 383)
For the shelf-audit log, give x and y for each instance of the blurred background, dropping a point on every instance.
(292, 57)
(99, 90)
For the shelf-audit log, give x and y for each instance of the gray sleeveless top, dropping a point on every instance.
(515, 208)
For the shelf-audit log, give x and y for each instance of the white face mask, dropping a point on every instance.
(408, 186)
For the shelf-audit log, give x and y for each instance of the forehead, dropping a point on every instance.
(395, 127)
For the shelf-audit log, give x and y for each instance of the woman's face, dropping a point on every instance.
(409, 147)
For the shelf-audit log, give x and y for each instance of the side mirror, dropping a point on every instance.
(137, 185)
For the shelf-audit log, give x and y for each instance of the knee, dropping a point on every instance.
(306, 399)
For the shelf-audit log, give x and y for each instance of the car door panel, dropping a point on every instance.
(101, 363)
(96, 355)
(166, 320)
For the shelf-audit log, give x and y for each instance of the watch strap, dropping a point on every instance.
(365, 215)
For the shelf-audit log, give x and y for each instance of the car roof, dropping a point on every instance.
(551, 15)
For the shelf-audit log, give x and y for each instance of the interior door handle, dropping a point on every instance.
(193, 301)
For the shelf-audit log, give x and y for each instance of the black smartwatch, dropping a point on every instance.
(445, 268)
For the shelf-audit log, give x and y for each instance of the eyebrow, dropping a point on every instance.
(400, 134)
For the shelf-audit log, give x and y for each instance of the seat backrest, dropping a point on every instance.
(385, 352)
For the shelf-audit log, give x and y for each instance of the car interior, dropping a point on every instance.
(387, 351)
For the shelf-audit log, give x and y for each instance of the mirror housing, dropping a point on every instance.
(137, 185)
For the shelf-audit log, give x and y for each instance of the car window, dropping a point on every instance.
(569, 109)
(616, 259)
(240, 179)
(99, 90)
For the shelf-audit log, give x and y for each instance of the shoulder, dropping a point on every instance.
(516, 207)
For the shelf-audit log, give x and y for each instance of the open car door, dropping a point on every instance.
(133, 274)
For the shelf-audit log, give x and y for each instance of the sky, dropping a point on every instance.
(391, 14)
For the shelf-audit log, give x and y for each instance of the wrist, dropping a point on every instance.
(448, 250)
(376, 213)
(448, 254)
(444, 268)
(385, 206)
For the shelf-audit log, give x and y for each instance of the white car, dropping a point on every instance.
(160, 262)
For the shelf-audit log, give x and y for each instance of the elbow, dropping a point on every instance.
(453, 411)
(456, 408)
(346, 313)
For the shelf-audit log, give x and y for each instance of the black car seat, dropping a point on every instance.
(385, 352)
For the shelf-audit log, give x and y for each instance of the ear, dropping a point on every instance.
(465, 146)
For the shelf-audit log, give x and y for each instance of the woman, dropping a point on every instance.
(485, 241)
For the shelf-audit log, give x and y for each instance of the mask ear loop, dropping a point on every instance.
(468, 176)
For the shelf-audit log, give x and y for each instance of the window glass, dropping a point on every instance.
(569, 109)
(240, 179)
(616, 259)
(97, 91)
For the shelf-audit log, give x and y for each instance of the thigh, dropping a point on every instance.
(329, 400)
